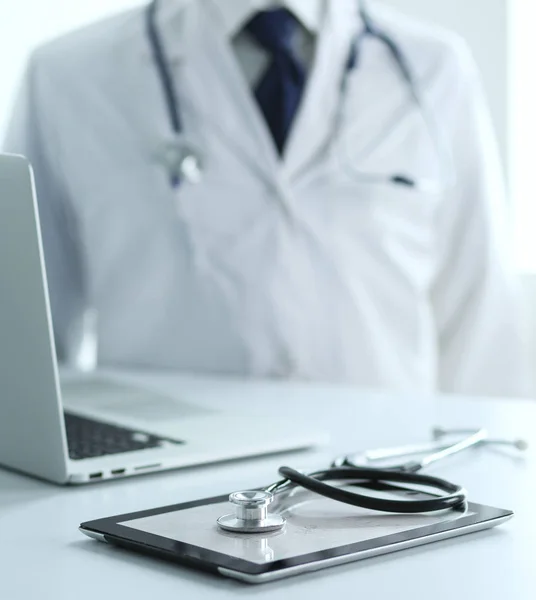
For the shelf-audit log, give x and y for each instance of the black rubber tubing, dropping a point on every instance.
(454, 497)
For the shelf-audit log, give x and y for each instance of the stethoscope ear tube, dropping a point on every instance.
(454, 497)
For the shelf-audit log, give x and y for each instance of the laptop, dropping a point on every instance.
(89, 428)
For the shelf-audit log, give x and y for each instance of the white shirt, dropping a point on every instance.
(273, 267)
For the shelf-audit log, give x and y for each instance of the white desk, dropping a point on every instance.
(42, 554)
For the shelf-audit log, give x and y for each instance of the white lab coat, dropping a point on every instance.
(268, 268)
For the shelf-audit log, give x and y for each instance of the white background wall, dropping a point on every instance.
(24, 23)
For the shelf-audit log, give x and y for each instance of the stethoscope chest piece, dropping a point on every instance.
(251, 514)
(182, 160)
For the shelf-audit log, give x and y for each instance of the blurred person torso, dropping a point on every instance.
(272, 265)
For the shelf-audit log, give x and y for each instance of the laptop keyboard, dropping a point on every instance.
(87, 438)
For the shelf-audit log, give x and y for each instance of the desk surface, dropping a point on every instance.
(42, 554)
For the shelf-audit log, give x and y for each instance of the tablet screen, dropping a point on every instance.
(314, 524)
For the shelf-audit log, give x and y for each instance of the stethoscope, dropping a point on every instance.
(251, 506)
(184, 162)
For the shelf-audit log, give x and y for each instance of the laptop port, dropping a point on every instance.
(96, 475)
(117, 472)
(147, 467)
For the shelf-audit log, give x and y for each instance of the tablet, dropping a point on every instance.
(319, 533)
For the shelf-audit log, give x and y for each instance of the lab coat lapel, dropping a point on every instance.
(219, 94)
(315, 119)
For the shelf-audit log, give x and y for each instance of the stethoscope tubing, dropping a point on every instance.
(408, 473)
(164, 72)
(454, 496)
(406, 476)
(162, 65)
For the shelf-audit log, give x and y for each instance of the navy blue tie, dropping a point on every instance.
(280, 90)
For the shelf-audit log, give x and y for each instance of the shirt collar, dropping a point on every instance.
(176, 26)
(236, 13)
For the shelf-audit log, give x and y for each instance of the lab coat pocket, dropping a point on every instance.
(402, 215)
(404, 218)
(404, 221)
(393, 224)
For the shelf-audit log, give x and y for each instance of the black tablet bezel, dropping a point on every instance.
(116, 533)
